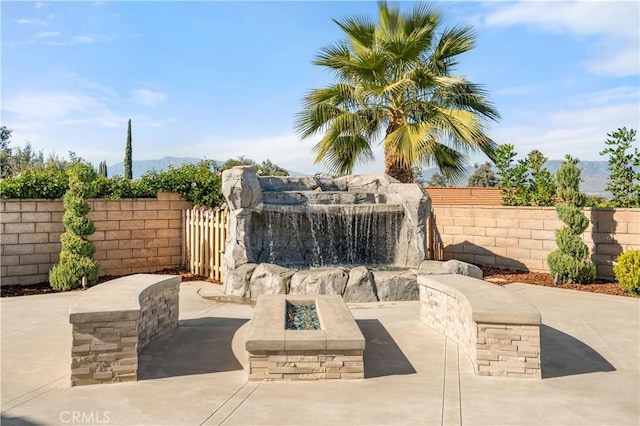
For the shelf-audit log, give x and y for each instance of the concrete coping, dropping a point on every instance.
(489, 303)
(119, 299)
(338, 328)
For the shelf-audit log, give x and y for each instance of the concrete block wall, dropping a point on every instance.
(132, 236)
(523, 237)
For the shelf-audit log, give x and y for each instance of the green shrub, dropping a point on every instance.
(67, 274)
(77, 251)
(570, 262)
(627, 271)
(199, 183)
(43, 184)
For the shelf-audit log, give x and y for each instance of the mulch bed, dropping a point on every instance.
(45, 288)
(493, 275)
(506, 276)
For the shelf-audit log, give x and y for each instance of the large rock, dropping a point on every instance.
(431, 267)
(319, 281)
(241, 187)
(268, 278)
(236, 281)
(360, 286)
(399, 285)
(462, 268)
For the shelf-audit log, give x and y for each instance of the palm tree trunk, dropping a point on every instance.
(393, 166)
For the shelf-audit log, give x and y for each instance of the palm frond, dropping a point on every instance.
(361, 33)
(452, 43)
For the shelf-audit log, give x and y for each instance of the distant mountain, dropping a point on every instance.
(143, 166)
(595, 175)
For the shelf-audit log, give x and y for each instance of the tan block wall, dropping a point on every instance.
(107, 351)
(510, 350)
(132, 236)
(306, 365)
(523, 237)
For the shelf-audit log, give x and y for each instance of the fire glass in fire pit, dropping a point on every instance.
(301, 317)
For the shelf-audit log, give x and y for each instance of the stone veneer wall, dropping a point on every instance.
(523, 237)
(511, 350)
(105, 350)
(132, 236)
(306, 365)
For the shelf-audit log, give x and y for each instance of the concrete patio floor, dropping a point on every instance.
(414, 376)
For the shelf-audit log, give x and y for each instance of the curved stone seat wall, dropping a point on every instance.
(112, 322)
(498, 329)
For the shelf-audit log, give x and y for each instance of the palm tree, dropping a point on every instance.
(395, 85)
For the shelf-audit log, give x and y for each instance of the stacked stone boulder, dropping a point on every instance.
(247, 274)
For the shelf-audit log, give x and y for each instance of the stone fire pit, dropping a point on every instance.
(333, 352)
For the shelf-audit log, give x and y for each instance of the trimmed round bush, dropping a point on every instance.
(627, 271)
(67, 274)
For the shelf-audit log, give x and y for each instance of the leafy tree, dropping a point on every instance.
(128, 161)
(438, 180)
(266, 168)
(395, 81)
(5, 151)
(483, 176)
(524, 182)
(512, 178)
(541, 185)
(102, 169)
(76, 256)
(624, 168)
(570, 262)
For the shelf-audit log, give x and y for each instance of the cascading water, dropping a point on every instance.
(330, 235)
(358, 236)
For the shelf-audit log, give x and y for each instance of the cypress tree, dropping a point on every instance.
(128, 170)
(570, 262)
(76, 257)
(102, 169)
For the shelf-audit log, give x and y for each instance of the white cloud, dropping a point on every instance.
(580, 132)
(47, 34)
(613, 19)
(23, 21)
(518, 90)
(49, 105)
(148, 97)
(616, 94)
(81, 39)
(287, 151)
(615, 24)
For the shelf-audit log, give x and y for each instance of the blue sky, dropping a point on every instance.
(221, 79)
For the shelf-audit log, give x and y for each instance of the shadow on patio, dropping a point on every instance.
(563, 355)
(382, 356)
(197, 346)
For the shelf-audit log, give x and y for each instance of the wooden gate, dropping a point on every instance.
(205, 232)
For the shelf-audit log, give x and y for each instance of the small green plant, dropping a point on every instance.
(627, 271)
(570, 262)
(76, 256)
